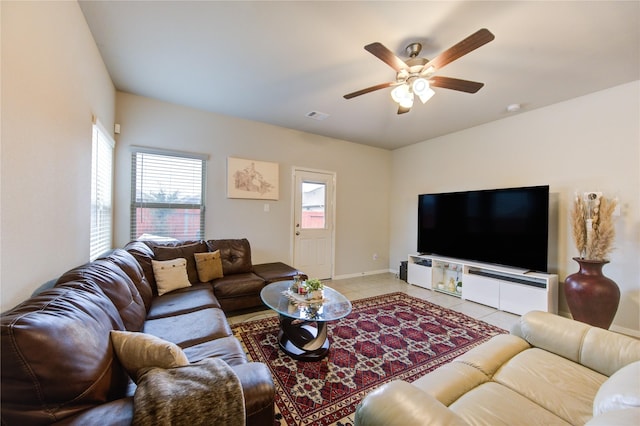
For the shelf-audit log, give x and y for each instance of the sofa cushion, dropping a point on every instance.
(57, 358)
(170, 274)
(451, 381)
(620, 391)
(182, 301)
(231, 304)
(237, 285)
(125, 261)
(119, 412)
(235, 255)
(136, 351)
(186, 251)
(276, 271)
(190, 329)
(557, 384)
(117, 285)
(471, 369)
(209, 265)
(229, 349)
(494, 404)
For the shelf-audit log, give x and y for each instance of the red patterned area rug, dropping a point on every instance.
(385, 338)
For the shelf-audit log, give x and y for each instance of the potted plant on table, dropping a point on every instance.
(314, 288)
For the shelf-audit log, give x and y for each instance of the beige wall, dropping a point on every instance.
(362, 189)
(588, 143)
(53, 80)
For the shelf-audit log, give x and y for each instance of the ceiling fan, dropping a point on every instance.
(415, 76)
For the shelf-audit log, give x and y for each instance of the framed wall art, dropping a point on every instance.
(252, 179)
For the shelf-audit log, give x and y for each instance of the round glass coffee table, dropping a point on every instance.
(303, 325)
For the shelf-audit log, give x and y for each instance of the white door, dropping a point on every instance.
(313, 222)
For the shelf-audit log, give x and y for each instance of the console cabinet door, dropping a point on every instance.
(419, 275)
(481, 290)
(520, 299)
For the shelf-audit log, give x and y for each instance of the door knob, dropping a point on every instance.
(297, 232)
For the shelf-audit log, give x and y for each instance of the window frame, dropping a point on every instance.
(101, 224)
(135, 204)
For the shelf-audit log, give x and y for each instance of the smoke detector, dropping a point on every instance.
(514, 107)
(317, 115)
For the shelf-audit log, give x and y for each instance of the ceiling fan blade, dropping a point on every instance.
(468, 45)
(403, 110)
(386, 56)
(370, 89)
(456, 84)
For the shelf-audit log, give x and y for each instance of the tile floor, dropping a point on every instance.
(375, 285)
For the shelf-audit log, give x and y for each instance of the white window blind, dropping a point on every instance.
(101, 190)
(167, 191)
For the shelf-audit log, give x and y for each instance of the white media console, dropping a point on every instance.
(508, 289)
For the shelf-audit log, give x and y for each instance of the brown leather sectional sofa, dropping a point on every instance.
(240, 286)
(58, 363)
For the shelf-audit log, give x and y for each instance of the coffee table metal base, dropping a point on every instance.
(303, 340)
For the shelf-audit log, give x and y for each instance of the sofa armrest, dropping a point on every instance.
(259, 392)
(400, 403)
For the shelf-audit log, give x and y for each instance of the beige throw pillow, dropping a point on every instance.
(136, 351)
(184, 250)
(170, 274)
(209, 265)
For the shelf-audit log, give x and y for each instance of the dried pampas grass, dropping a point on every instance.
(593, 228)
(603, 233)
(578, 226)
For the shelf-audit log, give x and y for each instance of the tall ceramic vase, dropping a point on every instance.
(592, 297)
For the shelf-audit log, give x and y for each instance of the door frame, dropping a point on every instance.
(292, 221)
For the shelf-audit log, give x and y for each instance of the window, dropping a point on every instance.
(313, 205)
(101, 184)
(167, 194)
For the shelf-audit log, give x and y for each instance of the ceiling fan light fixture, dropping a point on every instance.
(424, 97)
(402, 95)
(422, 89)
(407, 102)
(420, 85)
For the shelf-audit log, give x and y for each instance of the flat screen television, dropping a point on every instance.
(507, 226)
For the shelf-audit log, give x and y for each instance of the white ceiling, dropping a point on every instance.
(274, 62)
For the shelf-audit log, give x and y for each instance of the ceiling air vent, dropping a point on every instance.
(317, 115)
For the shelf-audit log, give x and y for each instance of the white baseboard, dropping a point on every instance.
(362, 274)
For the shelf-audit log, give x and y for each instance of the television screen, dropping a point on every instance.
(502, 226)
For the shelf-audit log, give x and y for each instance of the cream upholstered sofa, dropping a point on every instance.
(549, 371)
